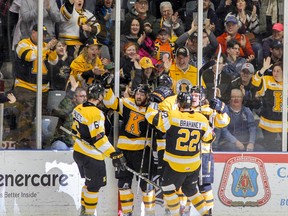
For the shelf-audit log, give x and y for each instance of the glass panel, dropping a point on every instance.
(18, 121)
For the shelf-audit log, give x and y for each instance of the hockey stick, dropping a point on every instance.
(143, 156)
(202, 69)
(127, 168)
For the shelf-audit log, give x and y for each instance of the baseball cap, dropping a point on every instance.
(249, 67)
(91, 41)
(278, 27)
(276, 44)
(231, 18)
(166, 30)
(146, 62)
(35, 28)
(182, 51)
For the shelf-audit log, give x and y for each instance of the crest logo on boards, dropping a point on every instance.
(244, 182)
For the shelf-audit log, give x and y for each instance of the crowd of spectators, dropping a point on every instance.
(156, 37)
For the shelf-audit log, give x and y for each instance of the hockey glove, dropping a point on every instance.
(107, 79)
(118, 160)
(217, 105)
(160, 94)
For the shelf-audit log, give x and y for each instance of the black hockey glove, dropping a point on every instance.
(107, 79)
(217, 105)
(118, 160)
(160, 93)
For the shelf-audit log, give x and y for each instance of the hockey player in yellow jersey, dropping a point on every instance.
(91, 147)
(185, 130)
(214, 111)
(133, 138)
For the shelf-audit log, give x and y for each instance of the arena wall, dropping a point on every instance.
(48, 183)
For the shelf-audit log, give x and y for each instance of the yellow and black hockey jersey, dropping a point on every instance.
(26, 65)
(132, 134)
(184, 133)
(88, 124)
(183, 80)
(271, 93)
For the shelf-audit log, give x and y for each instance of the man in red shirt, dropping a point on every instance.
(231, 27)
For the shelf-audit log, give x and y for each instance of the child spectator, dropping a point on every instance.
(59, 73)
(163, 46)
(88, 66)
(144, 73)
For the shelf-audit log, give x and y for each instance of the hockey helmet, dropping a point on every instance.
(199, 89)
(165, 80)
(144, 88)
(184, 100)
(95, 90)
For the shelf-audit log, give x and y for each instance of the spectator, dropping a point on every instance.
(249, 21)
(276, 51)
(74, 96)
(133, 31)
(277, 34)
(189, 39)
(75, 20)
(103, 13)
(244, 83)
(164, 48)
(25, 86)
(223, 85)
(88, 67)
(272, 14)
(144, 73)
(271, 95)
(59, 73)
(240, 134)
(9, 97)
(183, 74)
(249, 25)
(141, 10)
(234, 61)
(169, 20)
(225, 7)
(232, 26)
(127, 62)
(29, 16)
(208, 13)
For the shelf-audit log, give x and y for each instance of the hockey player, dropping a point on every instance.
(90, 148)
(217, 119)
(132, 141)
(185, 129)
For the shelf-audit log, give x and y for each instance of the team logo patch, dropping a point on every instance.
(183, 85)
(244, 182)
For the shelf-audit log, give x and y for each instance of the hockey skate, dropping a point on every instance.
(82, 210)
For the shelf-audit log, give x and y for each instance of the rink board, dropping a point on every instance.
(48, 183)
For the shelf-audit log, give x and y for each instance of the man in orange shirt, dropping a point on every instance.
(231, 27)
